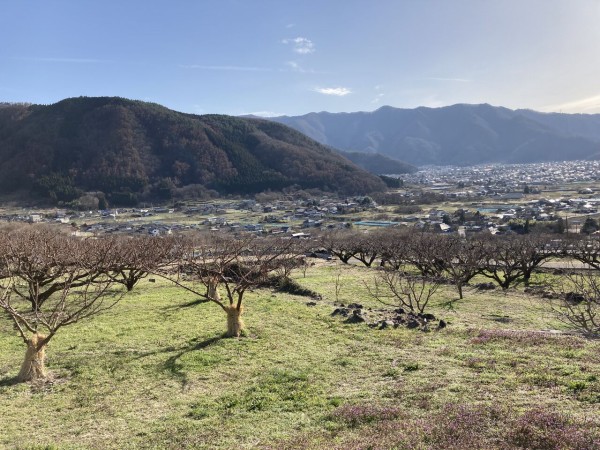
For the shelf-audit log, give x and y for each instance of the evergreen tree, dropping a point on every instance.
(589, 226)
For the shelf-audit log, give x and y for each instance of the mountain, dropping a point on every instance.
(378, 163)
(456, 135)
(372, 162)
(131, 149)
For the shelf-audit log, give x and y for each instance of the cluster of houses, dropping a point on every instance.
(498, 179)
(501, 201)
(298, 217)
(501, 217)
(281, 216)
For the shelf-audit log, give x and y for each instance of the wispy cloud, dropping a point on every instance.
(226, 68)
(290, 25)
(377, 98)
(65, 60)
(378, 94)
(301, 45)
(294, 66)
(457, 80)
(338, 91)
(588, 104)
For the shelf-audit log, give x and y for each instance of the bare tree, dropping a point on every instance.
(214, 264)
(133, 259)
(339, 243)
(425, 254)
(464, 258)
(502, 265)
(511, 258)
(366, 247)
(397, 288)
(394, 247)
(532, 251)
(296, 260)
(79, 290)
(578, 301)
(584, 249)
(40, 257)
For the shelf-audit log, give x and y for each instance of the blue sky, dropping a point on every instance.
(274, 57)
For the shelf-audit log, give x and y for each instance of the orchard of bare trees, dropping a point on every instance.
(50, 280)
(413, 264)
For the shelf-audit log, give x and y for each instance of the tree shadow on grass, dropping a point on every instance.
(172, 365)
(449, 305)
(8, 381)
(191, 304)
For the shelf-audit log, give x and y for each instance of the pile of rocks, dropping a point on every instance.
(486, 286)
(574, 298)
(388, 318)
(540, 291)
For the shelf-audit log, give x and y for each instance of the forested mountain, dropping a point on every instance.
(459, 134)
(131, 149)
(378, 163)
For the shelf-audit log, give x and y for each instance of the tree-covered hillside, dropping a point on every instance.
(378, 163)
(131, 149)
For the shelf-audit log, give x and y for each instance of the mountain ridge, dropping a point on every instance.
(461, 134)
(129, 149)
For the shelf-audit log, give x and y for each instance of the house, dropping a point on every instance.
(253, 227)
(300, 235)
(437, 214)
(444, 228)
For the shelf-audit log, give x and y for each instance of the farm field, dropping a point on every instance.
(156, 372)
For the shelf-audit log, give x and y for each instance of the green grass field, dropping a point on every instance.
(154, 373)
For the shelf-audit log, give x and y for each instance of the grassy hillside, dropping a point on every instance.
(130, 150)
(153, 373)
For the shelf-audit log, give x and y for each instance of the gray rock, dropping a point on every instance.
(355, 306)
(412, 323)
(486, 286)
(355, 318)
(386, 324)
(574, 297)
(340, 312)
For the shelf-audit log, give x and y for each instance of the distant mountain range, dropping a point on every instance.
(378, 163)
(130, 150)
(456, 135)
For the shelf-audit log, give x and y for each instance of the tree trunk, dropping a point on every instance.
(460, 290)
(213, 292)
(33, 367)
(234, 321)
(129, 284)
